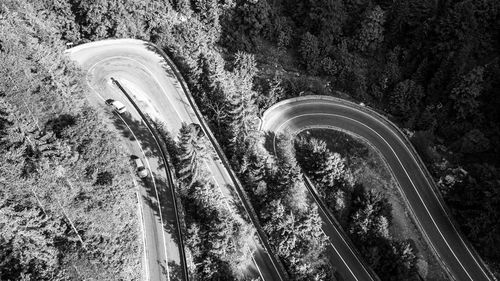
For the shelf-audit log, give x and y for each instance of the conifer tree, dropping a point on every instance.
(193, 153)
(310, 52)
(465, 95)
(371, 34)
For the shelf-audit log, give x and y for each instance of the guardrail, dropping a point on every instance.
(409, 146)
(280, 269)
(429, 178)
(169, 178)
(312, 189)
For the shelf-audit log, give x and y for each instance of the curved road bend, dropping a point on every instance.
(342, 254)
(459, 260)
(158, 267)
(156, 90)
(160, 249)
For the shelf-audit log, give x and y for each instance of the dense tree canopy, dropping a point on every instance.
(65, 194)
(220, 242)
(366, 215)
(432, 65)
(193, 153)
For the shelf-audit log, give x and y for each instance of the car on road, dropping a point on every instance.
(117, 105)
(142, 172)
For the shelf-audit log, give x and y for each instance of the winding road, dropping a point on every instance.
(155, 87)
(417, 187)
(150, 83)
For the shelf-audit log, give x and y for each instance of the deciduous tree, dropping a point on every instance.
(465, 95)
(371, 34)
(310, 52)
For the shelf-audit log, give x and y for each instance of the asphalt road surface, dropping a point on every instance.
(151, 83)
(456, 255)
(157, 216)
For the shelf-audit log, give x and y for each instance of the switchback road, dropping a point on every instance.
(157, 89)
(417, 187)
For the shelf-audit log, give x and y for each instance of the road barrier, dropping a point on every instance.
(312, 189)
(169, 178)
(280, 269)
(400, 135)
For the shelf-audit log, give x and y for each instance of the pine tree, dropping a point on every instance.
(287, 180)
(271, 95)
(241, 118)
(208, 11)
(310, 52)
(193, 153)
(326, 18)
(325, 167)
(406, 98)
(465, 95)
(29, 240)
(279, 226)
(371, 34)
(183, 7)
(206, 198)
(407, 256)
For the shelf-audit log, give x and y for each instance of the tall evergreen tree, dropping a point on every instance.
(310, 52)
(465, 95)
(241, 118)
(193, 153)
(371, 34)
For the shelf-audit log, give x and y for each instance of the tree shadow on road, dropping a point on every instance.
(237, 206)
(165, 64)
(166, 203)
(168, 66)
(143, 135)
(269, 138)
(174, 270)
(164, 190)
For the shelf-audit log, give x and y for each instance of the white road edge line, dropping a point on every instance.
(153, 180)
(145, 68)
(345, 242)
(333, 246)
(258, 269)
(157, 197)
(336, 230)
(406, 172)
(178, 115)
(143, 234)
(421, 170)
(229, 209)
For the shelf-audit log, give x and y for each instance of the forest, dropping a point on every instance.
(364, 213)
(431, 66)
(68, 209)
(219, 241)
